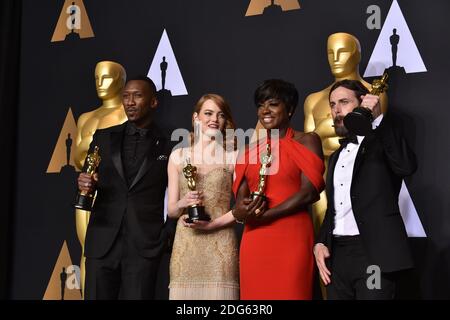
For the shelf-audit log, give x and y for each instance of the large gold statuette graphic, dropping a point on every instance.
(85, 199)
(110, 80)
(266, 161)
(195, 212)
(359, 121)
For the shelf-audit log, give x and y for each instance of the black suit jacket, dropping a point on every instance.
(140, 206)
(383, 160)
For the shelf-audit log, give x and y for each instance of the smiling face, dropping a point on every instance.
(273, 114)
(211, 118)
(139, 102)
(276, 100)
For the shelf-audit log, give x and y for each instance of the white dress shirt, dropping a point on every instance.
(344, 220)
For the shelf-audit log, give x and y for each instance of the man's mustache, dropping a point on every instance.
(337, 119)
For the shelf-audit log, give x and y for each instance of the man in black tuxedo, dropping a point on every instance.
(362, 244)
(126, 236)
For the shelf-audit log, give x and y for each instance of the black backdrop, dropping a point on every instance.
(10, 12)
(220, 50)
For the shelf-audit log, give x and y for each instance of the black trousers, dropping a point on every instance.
(122, 273)
(353, 277)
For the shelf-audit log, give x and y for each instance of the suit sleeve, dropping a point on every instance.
(328, 221)
(325, 229)
(400, 157)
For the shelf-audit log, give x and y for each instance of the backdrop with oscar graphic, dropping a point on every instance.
(227, 47)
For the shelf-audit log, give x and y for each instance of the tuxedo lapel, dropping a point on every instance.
(362, 151)
(330, 174)
(116, 151)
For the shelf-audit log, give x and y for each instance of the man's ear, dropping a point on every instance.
(154, 103)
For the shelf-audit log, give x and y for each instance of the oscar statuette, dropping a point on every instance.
(195, 212)
(359, 121)
(266, 161)
(84, 200)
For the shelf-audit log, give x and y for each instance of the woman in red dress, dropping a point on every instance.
(276, 255)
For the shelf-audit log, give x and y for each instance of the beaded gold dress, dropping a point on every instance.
(204, 264)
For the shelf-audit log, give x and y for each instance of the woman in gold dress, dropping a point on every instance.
(204, 261)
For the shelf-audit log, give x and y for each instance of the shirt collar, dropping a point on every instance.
(132, 129)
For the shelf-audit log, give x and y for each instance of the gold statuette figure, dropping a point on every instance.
(359, 121)
(266, 161)
(84, 199)
(380, 85)
(110, 79)
(195, 212)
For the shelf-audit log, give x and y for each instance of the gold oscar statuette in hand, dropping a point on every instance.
(266, 161)
(84, 200)
(359, 121)
(195, 212)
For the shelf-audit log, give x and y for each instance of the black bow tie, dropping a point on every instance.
(349, 139)
(133, 130)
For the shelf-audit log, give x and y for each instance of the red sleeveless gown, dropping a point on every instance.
(276, 259)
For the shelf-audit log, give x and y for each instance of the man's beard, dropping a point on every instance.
(340, 129)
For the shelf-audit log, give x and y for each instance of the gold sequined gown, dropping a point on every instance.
(204, 264)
